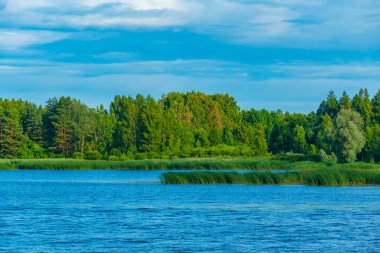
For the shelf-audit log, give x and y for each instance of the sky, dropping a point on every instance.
(273, 54)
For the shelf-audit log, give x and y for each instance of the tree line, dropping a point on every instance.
(189, 124)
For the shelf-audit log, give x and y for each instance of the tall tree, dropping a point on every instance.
(260, 143)
(125, 111)
(376, 107)
(349, 135)
(299, 140)
(362, 104)
(101, 129)
(374, 143)
(153, 137)
(32, 123)
(329, 106)
(11, 138)
(345, 101)
(326, 134)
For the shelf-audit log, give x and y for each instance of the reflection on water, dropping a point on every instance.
(128, 211)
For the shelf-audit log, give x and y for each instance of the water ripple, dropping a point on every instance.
(131, 212)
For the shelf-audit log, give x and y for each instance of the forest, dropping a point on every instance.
(189, 125)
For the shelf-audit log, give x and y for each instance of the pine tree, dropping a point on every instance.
(329, 106)
(125, 111)
(11, 137)
(345, 102)
(362, 104)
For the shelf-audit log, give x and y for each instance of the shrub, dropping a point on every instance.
(113, 158)
(323, 156)
(94, 155)
(115, 152)
(77, 155)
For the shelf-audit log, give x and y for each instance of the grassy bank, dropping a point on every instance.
(200, 164)
(330, 177)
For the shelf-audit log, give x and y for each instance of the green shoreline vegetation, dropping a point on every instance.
(320, 177)
(283, 162)
(180, 126)
(195, 131)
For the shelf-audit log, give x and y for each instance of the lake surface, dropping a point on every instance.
(129, 211)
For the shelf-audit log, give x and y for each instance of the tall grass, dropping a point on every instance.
(341, 177)
(6, 164)
(195, 164)
(334, 177)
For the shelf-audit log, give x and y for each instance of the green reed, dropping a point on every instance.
(329, 177)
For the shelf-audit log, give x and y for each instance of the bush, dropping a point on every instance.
(113, 158)
(77, 155)
(323, 156)
(333, 158)
(115, 152)
(94, 155)
(312, 150)
(290, 157)
(141, 156)
(315, 157)
(32, 150)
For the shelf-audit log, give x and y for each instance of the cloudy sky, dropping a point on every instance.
(268, 54)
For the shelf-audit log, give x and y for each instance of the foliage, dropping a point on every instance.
(185, 125)
(349, 135)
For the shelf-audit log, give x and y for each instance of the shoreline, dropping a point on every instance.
(267, 163)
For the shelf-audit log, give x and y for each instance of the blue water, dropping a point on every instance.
(129, 211)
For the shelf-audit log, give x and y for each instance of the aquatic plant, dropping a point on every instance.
(194, 164)
(331, 177)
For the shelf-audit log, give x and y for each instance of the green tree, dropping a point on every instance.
(326, 134)
(362, 104)
(185, 125)
(299, 140)
(215, 137)
(260, 142)
(374, 143)
(153, 137)
(126, 112)
(329, 106)
(228, 137)
(345, 101)
(101, 125)
(281, 138)
(349, 135)
(81, 125)
(32, 123)
(376, 107)
(11, 138)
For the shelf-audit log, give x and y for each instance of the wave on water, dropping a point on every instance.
(87, 181)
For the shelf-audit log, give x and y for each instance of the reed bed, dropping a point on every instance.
(330, 177)
(178, 164)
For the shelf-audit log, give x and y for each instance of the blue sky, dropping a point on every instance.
(270, 54)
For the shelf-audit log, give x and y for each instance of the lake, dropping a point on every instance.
(129, 211)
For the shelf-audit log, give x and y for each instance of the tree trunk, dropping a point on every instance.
(82, 146)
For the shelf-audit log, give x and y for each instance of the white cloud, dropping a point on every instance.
(96, 13)
(292, 23)
(19, 39)
(197, 68)
(297, 87)
(17, 5)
